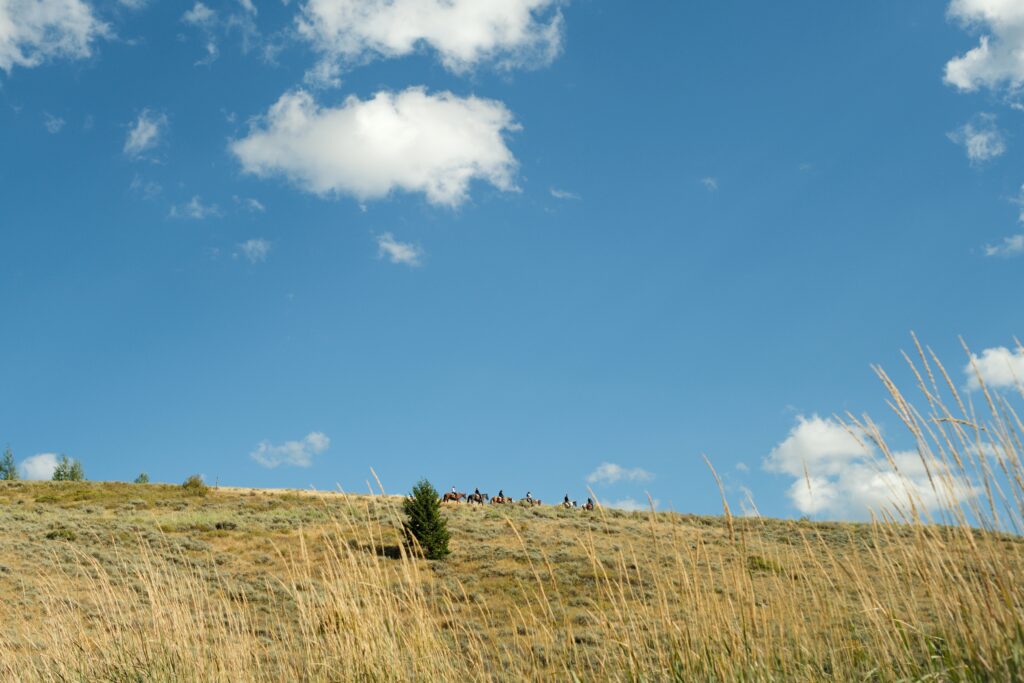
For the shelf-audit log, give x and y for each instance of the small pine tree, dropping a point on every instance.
(142, 479)
(68, 470)
(8, 470)
(424, 521)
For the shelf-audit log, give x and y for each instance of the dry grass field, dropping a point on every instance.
(127, 582)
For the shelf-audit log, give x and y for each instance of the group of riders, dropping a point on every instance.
(454, 496)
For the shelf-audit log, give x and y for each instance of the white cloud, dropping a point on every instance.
(564, 194)
(39, 467)
(981, 139)
(839, 474)
(464, 33)
(53, 124)
(147, 189)
(709, 183)
(999, 57)
(398, 252)
(610, 473)
(999, 368)
(195, 209)
(33, 32)
(252, 204)
(1010, 246)
(632, 505)
(145, 134)
(742, 467)
(296, 453)
(200, 15)
(411, 141)
(255, 250)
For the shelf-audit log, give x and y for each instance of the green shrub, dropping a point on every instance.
(195, 486)
(142, 479)
(424, 522)
(61, 534)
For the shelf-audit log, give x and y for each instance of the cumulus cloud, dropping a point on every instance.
(33, 32)
(39, 467)
(398, 252)
(610, 473)
(838, 473)
(195, 209)
(997, 367)
(411, 141)
(255, 250)
(999, 57)
(145, 134)
(295, 453)
(463, 33)
(981, 139)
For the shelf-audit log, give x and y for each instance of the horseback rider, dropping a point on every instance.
(529, 496)
(565, 500)
(501, 493)
(476, 491)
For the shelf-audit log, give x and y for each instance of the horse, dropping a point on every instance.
(478, 498)
(530, 501)
(588, 506)
(452, 497)
(500, 500)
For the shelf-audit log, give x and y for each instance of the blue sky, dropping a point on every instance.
(527, 244)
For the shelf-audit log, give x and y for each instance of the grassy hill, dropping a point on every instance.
(126, 582)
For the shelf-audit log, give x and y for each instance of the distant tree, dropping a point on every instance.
(68, 470)
(8, 470)
(195, 485)
(424, 522)
(142, 479)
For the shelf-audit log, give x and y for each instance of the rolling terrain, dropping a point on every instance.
(132, 582)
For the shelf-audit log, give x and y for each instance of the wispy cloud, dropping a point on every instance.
(147, 189)
(709, 183)
(398, 252)
(1010, 246)
(610, 473)
(981, 139)
(255, 250)
(53, 124)
(250, 204)
(564, 194)
(145, 134)
(195, 209)
(294, 453)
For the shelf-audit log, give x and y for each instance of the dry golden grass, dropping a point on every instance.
(120, 582)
